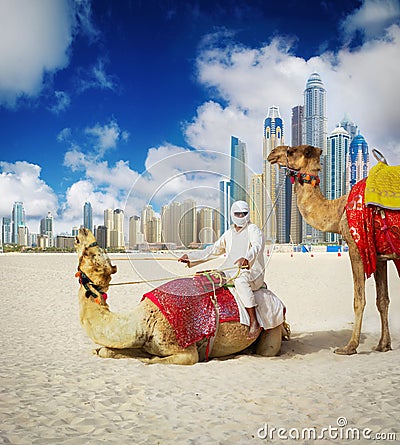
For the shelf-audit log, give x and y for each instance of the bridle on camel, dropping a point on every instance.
(87, 283)
(302, 178)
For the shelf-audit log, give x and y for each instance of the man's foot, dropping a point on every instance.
(254, 330)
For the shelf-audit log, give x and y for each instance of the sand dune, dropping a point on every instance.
(54, 391)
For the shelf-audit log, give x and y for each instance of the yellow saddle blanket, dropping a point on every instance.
(383, 186)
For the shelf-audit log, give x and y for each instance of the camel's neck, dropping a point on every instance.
(321, 213)
(111, 329)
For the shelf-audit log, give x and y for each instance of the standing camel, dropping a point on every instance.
(303, 164)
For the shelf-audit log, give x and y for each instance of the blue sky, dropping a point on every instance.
(106, 100)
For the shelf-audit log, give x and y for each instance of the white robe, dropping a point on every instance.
(249, 290)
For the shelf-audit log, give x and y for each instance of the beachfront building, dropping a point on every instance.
(256, 195)
(17, 220)
(337, 152)
(101, 236)
(238, 180)
(188, 223)
(224, 206)
(6, 231)
(274, 208)
(136, 237)
(108, 215)
(206, 223)
(46, 228)
(314, 132)
(88, 216)
(357, 162)
(170, 221)
(296, 220)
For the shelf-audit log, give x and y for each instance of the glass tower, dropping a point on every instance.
(18, 220)
(88, 216)
(315, 133)
(274, 218)
(239, 179)
(357, 161)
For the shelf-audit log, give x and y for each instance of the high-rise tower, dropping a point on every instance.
(46, 228)
(88, 216)
(274, 217)
(18, 220)
(337, 151)
(357, 161)
(315, 133)
(239, 181)
(296, 220)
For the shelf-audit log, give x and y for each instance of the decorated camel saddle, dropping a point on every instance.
(373, 213)
(195, 306)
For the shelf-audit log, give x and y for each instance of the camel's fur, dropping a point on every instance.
(329, 216)
(144, 332)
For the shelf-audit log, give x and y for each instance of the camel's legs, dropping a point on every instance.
(382, 303)
(269, 343)
(188, 356)
(359, 300)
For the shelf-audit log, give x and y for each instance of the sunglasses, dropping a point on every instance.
(240, 214)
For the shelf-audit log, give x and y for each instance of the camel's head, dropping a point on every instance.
(92, 260)
(303, 158)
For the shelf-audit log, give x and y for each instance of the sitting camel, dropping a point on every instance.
(144, 332)
(303, 164)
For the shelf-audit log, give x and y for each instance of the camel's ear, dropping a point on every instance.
(310, 151)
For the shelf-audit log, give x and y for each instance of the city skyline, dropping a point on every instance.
(116, 89)
(269, 193)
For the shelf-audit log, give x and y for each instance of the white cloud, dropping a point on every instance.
(371, 19)
(34, 39)
(106, 136)
(96, 77)
(20, 181)
(62, 102)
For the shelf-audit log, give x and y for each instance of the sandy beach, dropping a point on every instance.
(54, 391)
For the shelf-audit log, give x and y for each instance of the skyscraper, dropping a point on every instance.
(18, 219)
(315, 133)
(6, 231)
(296, 220)
(239, 181)
(274, 207)
(46, 228)
(118, 232)
(109, 223)
(170, 221)
(224, 206)
(357, 165)
(337, 152)
(205, 217)
(256, 199)
(88, 216)
(315, 121)
(135, 235)
(188, 222)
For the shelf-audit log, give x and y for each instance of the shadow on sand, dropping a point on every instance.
(311, 342)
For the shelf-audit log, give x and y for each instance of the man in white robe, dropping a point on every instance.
(243, 244)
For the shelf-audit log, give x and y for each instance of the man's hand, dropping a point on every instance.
(242, 263)
(184, 259)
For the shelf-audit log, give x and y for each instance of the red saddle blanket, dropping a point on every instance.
(375, 231)
(187, 304)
